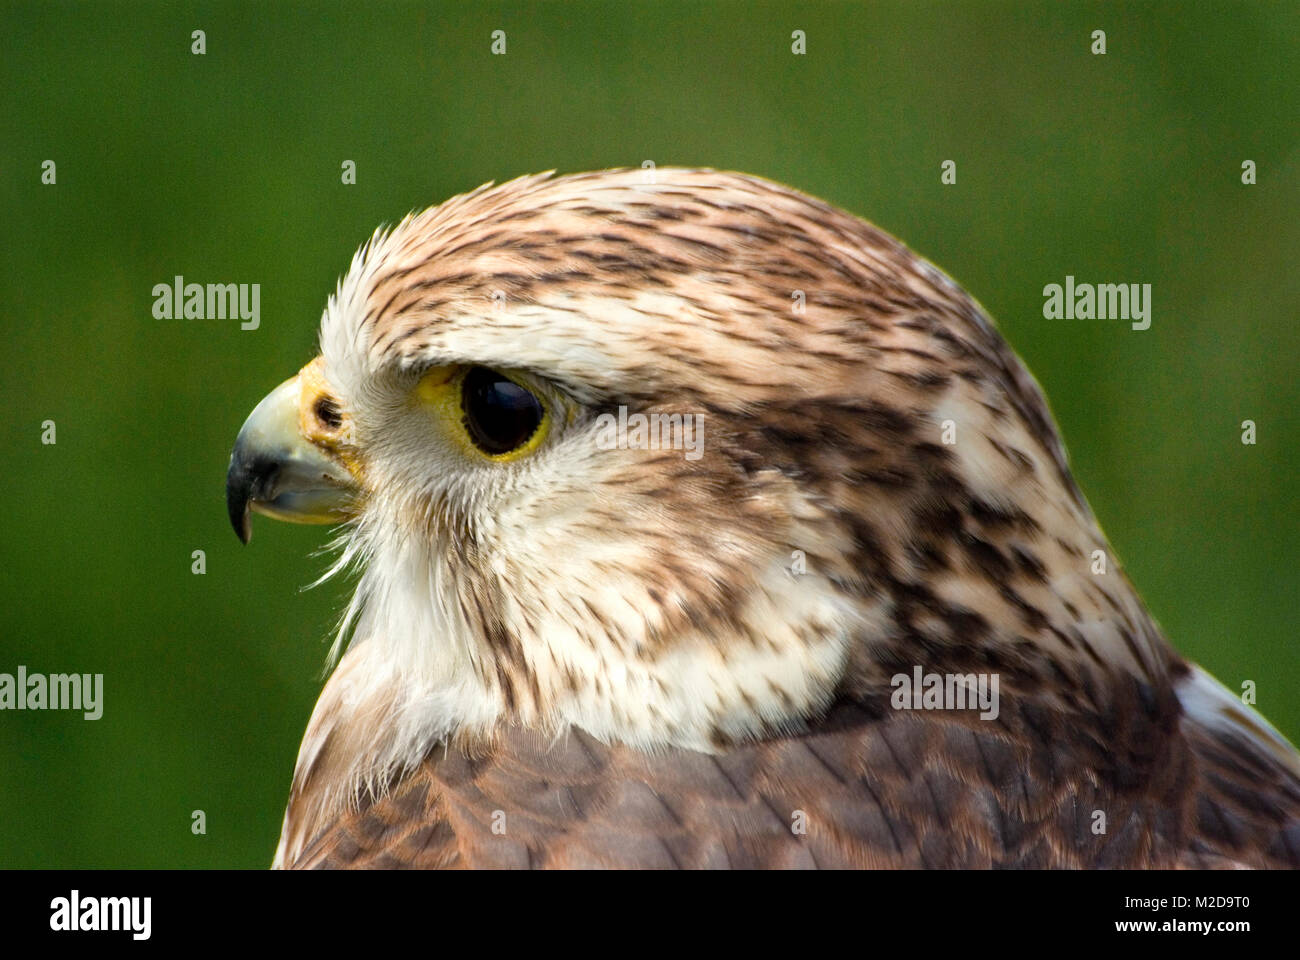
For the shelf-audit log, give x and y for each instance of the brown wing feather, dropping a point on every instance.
(872, 787)
(1247, 806)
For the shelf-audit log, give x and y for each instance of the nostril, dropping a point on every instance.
(327, 412)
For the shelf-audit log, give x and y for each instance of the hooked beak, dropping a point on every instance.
(288, 461)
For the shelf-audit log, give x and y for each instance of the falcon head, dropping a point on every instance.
(875, 482)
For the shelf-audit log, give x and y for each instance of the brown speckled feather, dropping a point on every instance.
(871, 789)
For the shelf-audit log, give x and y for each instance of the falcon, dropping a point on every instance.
(871, 622)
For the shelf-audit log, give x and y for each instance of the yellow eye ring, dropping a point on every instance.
(488, 412)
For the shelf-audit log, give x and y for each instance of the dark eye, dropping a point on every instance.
(500, 415)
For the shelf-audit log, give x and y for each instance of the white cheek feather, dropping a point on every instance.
(416, 674)
(416, 658)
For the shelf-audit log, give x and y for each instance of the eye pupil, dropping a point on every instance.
(500, 415)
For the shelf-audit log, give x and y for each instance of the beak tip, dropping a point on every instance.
(240, 521)
(238, 494)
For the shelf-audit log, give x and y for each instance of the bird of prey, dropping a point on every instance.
(579, 642)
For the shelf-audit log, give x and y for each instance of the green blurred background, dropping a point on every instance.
(226, 168)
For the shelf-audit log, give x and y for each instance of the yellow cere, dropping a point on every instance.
(440, 391)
